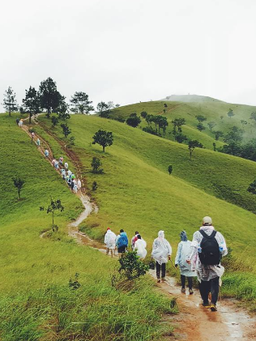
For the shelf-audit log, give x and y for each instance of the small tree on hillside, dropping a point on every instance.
(192, 145)
(10, 102)
(143, 114)
(50, 97)
(80, 103)
(230, 113)
(177, 124)
(218, 134)
(18, 183)
(131, 266)
(63, 109)
(103, 138)
(96, 163)
(54, 120)
(103, 109)
(200, 126)
(211, 125)
(200, 118)
(214, 146)
(65, 129)
(170, 169)
(55, 205)
(31, 102)
(252, 187)
(133, 120)
(180, 137)
(253, 116)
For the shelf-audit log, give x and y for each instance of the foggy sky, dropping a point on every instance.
(130, 50)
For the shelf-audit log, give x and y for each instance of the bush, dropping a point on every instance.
(131, 266)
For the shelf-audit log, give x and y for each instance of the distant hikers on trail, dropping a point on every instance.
(208, 247)
(161, 252)
(183, 252)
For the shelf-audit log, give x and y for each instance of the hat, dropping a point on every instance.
(108, 228)
(207, 220)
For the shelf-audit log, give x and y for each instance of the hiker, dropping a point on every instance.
(63, 173)
(183, 252)
(32, 136)
(61, 160)
(17, 121)
(110, 241)
(20, 124)
(79, 184)
(208, 247)
(66, 165)
(75, 189)
(134, 238)
(161, 252)
(121, 242)
(38, 142)
(46, 153)
(140, 245)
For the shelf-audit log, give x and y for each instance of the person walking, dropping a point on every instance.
(121, 242)
(134, 238)
(38, 142)
(183, 252)
(208, 247)
(110, 241)
(46, 153)
(161, 253)
(140, 245)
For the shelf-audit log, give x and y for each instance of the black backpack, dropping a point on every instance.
(210, 254)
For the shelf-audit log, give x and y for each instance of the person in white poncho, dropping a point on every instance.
(183, 252)
(140, 245)
(208, 273)
(110, 241)
(161, 252)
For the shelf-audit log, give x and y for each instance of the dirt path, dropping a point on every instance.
(194, 322)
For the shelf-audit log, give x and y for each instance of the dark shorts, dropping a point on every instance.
(121, 249)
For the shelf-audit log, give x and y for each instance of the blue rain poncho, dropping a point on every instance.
(161, 249)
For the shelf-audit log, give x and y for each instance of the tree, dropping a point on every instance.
(230, 113)
(18, 183)
(214, 146)
(131, 267)
(252, 187)
(94, 185)
(178, 123)
(192, 145)
(165, 105)
(170, 169)
(201, 118)
(234, 135)
(50, 97)
(253, 116)
(218, 134)
(133, 120)
(180, 137)
(55, 205)
(103, 138)
(55, 121)
(10, 102)
(211, 125)
(143, 114)
(80, 103)
(103, 109)
(65, 129)
(96, 163)
(31, 102)
(62, 109)
(200, 126)
(243, 122)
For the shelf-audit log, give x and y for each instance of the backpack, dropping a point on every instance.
(210, 254)
(122, 240)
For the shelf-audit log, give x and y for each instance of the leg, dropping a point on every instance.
(107, 251)
(214, 289)
(190, 282)
(163, 270)
(157, 270)
(182, 278)
(204, 288)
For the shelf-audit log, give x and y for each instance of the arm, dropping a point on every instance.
(178, 253)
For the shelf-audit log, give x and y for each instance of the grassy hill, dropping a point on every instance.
(37, 301)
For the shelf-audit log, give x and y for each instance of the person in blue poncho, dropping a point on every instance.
(183, 252)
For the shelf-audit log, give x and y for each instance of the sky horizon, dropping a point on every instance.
(130, 51)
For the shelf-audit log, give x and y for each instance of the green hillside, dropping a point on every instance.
(37, 301)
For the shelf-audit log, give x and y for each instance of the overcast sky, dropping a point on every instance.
(130, 50)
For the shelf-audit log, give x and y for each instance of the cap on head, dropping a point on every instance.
(207, 220)
(108, 228)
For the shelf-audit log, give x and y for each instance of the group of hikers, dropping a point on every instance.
(199, 258)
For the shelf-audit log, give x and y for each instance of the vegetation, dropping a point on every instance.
(18, 183)
(103, 138)
(10, 102)
(80, 103)
(55, 205)
(96, 164)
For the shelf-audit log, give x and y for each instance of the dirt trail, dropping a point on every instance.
(194, 322)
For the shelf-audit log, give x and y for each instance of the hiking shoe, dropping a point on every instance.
(183, 290)
(163, 279)
(158, 280)
(191, 292)
(213, 307)
(206, 304)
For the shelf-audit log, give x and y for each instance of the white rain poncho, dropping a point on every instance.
(182, 255)
(161, 249)
(207, 272)
(110, 240)
(140, 245)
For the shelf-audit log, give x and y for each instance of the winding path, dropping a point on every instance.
(194, 322)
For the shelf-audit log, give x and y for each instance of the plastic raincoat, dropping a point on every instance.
(110, 240)
(207, 272)
(161, 249)
(182, 255)
(140, 245)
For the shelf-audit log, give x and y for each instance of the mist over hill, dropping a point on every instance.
(190, 98)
